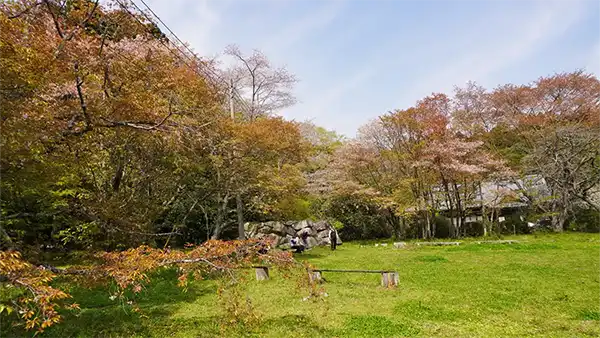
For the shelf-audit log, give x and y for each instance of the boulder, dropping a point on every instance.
(321, 226)
(301, 225)
(280, 233)
(400, 245)
(251, 229)
(278, 228)
(289, 230)
(283, 240)
(274, 239)
(309, 231)
(268, 224)
(311, 242)
(323, 240)
(265, 230)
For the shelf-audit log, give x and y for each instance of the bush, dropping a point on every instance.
(361, 218)
(585, 220)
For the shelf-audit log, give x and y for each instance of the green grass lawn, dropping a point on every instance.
(546, 286)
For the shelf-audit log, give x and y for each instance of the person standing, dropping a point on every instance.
(332, 238)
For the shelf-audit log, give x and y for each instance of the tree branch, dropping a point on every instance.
(28, 214)
(79, 83)
(54, 19)
(25, 11)
(137, 125)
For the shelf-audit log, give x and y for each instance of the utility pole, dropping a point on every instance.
(238, 196)
(231, 99)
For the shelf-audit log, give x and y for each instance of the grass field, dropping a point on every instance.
(546, 286)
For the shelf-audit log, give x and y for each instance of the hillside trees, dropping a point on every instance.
(429, 160)
(418, 165)
(111, 137)
(265, 89)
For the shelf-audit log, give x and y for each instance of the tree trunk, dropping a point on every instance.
(5, 240)
(558, 221)
(459, 210)
(116, 181)
(433, 227)
(220, 219)
(240, 216)
(453, 229)
(427, 225)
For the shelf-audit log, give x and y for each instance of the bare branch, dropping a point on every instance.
(137, 125)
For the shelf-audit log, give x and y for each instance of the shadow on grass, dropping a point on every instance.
(162, 289)
(292, 323)
(102, 317)
(504, 247)
(431, 259)
(376, 326)
(308, 255)
(589, 315)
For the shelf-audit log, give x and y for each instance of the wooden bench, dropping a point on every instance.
(262, 272)
(436, 243)
(507, 241)
(389, 278)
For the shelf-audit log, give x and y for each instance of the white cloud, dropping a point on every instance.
(332, 96)
(303, 27)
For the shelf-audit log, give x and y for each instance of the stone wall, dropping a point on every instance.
(282, 232)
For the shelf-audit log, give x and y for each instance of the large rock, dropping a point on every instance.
(311, 242)
(272, 227)
(309, 231)
(289, 230)
(400, 245)
(278, 227)
(321, 226)
(301, 225)
(265, 230)
(280, 233)
(251, 229)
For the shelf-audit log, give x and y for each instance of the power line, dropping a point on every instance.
(219, 78)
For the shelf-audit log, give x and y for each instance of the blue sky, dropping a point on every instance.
(358, 59)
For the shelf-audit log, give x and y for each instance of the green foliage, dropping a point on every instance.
(360, 216)
(585, 219)
(510, 145)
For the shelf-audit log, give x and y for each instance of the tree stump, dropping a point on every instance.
(262, 272)
(390, 279)
(315, 276)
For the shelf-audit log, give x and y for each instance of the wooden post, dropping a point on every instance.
(262, 272)
(390, 279)
(315, 276)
